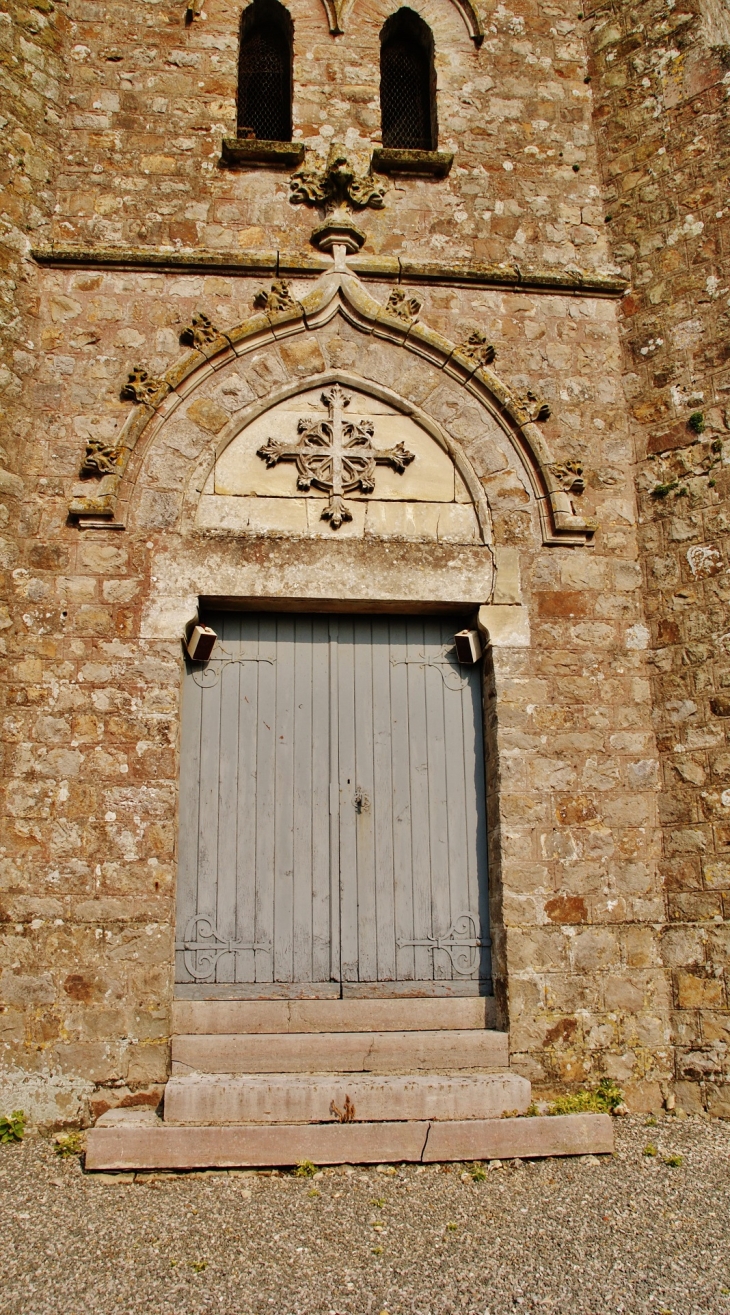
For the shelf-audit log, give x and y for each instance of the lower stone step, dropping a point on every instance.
(340, 1052)
(300, 1098)
(164, 1147)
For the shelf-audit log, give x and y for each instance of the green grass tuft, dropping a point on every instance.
(603, 1099)
(68, 1144)
(12, 1128)
(305, 1169)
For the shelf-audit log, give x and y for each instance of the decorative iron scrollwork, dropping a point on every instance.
(207, 675)
(203, 946)
(461, 942)
(442, 664)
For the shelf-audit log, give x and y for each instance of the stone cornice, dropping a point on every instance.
(394, 269)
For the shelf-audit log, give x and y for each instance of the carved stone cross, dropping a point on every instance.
(336, 455)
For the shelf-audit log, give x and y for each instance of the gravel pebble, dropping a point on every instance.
(589, 1236)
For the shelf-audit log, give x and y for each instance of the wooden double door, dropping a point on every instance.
(332, 833)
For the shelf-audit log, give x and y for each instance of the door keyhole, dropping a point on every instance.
(360, 800)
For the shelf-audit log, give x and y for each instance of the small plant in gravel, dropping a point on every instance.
(379, 1201)
(12, 1128)
(651, 1122)
(198, 1266)
(477, 1173)
(68, 1144)
(650, 1151)
(603, 1099)
(313, 1192)
(305, 1169)
(673, 1161)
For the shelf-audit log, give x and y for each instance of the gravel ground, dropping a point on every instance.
(627, 1234)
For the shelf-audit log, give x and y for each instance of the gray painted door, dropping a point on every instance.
(332, 811)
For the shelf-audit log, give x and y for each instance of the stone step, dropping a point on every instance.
(302, 1098)
(340, 1052)
(271, 1016)
(164, 1147)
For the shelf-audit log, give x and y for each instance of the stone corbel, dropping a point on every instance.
(336, 183)
(565, 479)
(418, 164)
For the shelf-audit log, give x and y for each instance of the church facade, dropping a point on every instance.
(383, 349)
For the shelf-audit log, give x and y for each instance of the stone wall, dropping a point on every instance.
(661, 127)
(92, 680)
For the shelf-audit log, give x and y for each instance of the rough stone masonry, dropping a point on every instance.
(556, 306)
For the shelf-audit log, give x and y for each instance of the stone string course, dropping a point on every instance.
(123, 112)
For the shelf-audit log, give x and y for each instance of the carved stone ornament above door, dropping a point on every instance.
(336, 184)
(336, 455)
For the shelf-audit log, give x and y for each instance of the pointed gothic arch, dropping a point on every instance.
(343, 294)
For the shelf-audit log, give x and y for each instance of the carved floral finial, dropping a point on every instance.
(569, 475)
(478, 348)
(336, 184)
(278, 297)
(534, 407)
(101, 458)
(200, 331)
(399, 303)
(140, 386)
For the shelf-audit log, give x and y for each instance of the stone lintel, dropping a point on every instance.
(433, 164)
(237, 152)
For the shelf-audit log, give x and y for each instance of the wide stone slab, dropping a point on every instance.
(294, 1098)
(340, 1052)
(504, 1139)
(230, 1016)
(136, 1147)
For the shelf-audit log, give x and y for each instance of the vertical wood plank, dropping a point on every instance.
(191, 713)
(246, 806)
(420, 832)
(284, 803)
(437, 821)
(347, 784)
(320, 804)
(207, 896)
(457, 786)
(335, 903)
(365, 814)
(228, 792)
(401, 794)
(304, 801)
(266, 797)
(383, 743)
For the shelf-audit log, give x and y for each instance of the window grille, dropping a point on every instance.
(407, 84)
(265, 72)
